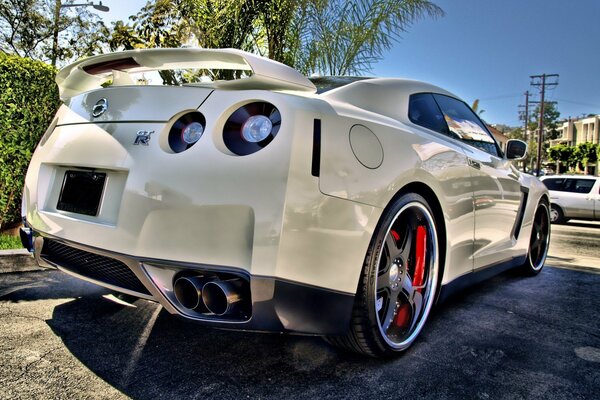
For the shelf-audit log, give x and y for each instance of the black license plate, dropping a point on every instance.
(81, 192)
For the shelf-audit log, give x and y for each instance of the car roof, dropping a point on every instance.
(385, 96)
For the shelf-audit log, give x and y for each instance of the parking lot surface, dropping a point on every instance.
(510, 337)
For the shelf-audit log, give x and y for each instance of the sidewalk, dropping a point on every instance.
(19, 260)
(589, 264)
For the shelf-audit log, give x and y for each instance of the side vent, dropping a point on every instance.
(521, 214)
(316, 151)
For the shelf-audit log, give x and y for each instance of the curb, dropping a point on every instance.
(586, 264)
(19, 260)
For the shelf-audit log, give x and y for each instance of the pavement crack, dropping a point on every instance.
(12, 313)
(29, 365)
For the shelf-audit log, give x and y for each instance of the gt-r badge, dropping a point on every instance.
(143, 137)
(100, 107)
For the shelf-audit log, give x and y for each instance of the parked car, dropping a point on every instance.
(573, 196)
(259, 204)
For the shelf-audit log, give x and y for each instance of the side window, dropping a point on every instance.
(579, 185)
(424, 111)
(554, 184)
(465, 125)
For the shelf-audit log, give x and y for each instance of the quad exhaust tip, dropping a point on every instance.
(222, 297)
(204, 295)
(188, 291)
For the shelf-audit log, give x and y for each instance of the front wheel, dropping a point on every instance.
(398, 282)
(539, 240)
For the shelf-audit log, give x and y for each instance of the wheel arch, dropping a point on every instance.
(428, 194)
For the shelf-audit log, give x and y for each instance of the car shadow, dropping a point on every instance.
(146, 353)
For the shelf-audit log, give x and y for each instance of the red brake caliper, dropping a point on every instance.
(403, 317)
(420, 249)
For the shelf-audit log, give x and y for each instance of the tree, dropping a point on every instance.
(562, 153)
(475, 107)
(551, 115)
(348, 37)
(325, 36)
(585, 154)
(204, 23)
(27, 29)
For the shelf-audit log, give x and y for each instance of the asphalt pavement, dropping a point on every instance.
(575, 244)
(511, 337)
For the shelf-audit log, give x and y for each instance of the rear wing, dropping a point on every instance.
(92, 72)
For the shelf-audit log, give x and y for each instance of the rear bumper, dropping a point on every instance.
(276, 304)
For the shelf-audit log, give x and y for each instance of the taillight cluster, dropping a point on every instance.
(186, 131)
(251, 127)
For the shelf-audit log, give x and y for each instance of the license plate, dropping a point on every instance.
(81, 192)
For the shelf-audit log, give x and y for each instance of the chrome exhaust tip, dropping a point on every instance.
(222, 297)
(188, 291)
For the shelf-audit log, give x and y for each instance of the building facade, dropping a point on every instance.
(575, 131)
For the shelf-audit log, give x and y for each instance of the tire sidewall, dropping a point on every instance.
(531, 269)
(369, 294)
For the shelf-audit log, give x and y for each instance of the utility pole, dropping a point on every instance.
(542, 84)
(525, 116)
(55, 32)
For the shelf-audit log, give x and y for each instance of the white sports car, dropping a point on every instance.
(260, 203)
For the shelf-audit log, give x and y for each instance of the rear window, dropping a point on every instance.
(572, 185)
(578, 185)
(424, 111)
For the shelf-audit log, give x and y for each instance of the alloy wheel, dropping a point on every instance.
(406, 275)
(540, 237)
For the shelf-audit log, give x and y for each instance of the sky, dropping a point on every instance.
(487, 50)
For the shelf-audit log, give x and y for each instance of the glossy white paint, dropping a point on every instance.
(264, 73)
(265, 213)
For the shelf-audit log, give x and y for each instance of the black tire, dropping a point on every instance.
(398, 283)
(539, 240)
(556, 215)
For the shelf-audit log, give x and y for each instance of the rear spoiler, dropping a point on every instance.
(92, 72)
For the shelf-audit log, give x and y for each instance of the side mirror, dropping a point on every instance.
(516, 149)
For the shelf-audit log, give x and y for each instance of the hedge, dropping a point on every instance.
(28, 102)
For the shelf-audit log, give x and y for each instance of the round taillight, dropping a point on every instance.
(251, 127)
(186, 131)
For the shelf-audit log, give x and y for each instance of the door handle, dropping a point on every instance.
(474, 164)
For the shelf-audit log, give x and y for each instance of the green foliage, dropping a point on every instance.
(575, 156)
(563, 154)
(551, 115)
(331, 37)
(28, 101)
(27, 29)
(9, 242)
(348, 37)
(586, 153)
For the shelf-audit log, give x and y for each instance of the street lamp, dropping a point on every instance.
(59, 5)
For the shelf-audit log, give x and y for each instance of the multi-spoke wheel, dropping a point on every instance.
(399, 280)
(539, 241)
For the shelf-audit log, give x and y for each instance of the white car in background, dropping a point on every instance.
(261, 203)
(573, 196)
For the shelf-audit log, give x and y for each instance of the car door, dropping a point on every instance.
(497, 193)
(578, 198)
